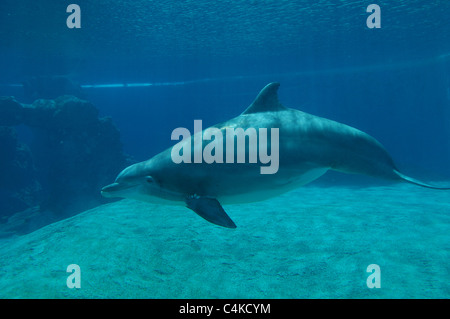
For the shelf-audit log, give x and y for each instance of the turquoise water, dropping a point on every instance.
(315, 242)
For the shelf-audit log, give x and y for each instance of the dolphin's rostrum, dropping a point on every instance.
(308, 147)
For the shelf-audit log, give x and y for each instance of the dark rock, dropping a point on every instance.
(72, 155)
(11, 112)
(19, 188)
(39, 114)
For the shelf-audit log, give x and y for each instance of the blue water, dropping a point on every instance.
(207, 60)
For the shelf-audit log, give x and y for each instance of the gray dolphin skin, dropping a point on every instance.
(308, 146)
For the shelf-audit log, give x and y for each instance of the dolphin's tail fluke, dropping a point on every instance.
(417, 182)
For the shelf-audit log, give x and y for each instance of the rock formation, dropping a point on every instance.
(72, 155)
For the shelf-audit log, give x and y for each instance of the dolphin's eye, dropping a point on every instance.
(149, 179)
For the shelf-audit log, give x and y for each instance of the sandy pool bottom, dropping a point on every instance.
(314, 242)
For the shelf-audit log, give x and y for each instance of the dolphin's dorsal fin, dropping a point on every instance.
(266, 101)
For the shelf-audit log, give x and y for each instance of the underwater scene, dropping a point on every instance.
(235, 149)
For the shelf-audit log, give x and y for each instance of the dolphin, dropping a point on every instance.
(308, 146)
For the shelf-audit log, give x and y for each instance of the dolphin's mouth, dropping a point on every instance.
(111, 190)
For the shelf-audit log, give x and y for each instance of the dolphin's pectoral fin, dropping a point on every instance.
(210, 209)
